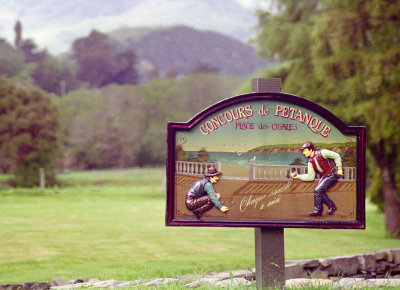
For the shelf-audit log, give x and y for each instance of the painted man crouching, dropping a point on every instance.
(318, 161)
(201, 197)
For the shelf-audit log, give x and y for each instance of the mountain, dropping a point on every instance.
(183, 48)
(54, 24)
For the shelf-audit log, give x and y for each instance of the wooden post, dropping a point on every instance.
(270, 258)
(269, 242)
(42, 179)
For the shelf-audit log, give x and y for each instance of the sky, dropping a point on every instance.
(54, 24)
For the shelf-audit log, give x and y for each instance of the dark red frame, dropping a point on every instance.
(358, 131)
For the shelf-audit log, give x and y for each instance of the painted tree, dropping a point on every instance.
(28, 124)
(345, 55)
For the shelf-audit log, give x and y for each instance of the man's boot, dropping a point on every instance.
(332, 209)
(316, 213)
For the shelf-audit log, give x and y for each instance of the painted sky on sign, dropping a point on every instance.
(262, 128)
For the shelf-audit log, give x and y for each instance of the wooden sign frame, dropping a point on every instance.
(294, 116)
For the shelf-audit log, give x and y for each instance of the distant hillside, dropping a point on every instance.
(183, 48)
(337, 147)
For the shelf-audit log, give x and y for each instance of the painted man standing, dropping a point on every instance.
(201, 197)
(318, 162)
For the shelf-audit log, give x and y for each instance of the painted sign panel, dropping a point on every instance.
(266, 159)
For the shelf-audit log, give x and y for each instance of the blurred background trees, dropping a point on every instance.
(115, 95)
(345, 55)
(100, 62)
(28, 125)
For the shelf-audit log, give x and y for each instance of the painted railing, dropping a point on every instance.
(256, 171)
(282, 173)
(195, 168)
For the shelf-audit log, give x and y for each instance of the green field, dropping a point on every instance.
(110, 225)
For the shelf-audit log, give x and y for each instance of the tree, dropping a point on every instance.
(18, 33)
(345, 56)
(199, 91)
(161, 103)
(203, 67)
(28, 125)
(11, 60)
(124, 68)
(28, 46)
(102, 128)
(100, 63)
(51, 74)
(94, 57)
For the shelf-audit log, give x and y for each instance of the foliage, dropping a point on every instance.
(100, 129)
(28, 123)
(171, 100)
(345, 56)
(123, 126)
(27, 46)
(11, 60)
(54, 76)
(101, 63)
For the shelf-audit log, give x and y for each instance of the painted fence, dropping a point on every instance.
(257, 171)
(195, 168)
(282, 173)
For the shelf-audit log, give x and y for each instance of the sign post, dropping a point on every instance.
(269, 242)
(270, 161)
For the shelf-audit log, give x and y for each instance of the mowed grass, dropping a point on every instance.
(111, 225)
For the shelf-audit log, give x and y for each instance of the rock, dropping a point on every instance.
(343, 266)
(243, 274)
(160, 281)
(223, 275)
(35, 286)
(93, 280)
(189, 278)
(385, 255)
(396, 256)
(194, 284)
(383, 282)
(58, 282)
(312, 264)
(302, 282)
(235, 282)
(362, 262)
(395, 268)
(351, 283)
(10, 287)
(319, 274)
(325, 263)
(78, 281)
(382, 267)
(370, 262)
(380, 255)
(295, 271)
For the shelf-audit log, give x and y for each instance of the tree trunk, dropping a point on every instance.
(392, 204)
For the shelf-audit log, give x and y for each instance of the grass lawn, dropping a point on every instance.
(110, 225)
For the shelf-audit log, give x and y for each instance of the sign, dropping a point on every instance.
(266, 160)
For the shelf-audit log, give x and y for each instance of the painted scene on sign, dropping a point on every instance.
(265, 160)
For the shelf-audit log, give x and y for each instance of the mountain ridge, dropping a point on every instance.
(54, 24)
(182, 48)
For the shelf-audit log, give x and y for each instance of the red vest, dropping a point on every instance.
(326, 167)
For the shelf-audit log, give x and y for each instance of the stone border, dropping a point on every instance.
(379, 264)
(377, 269)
